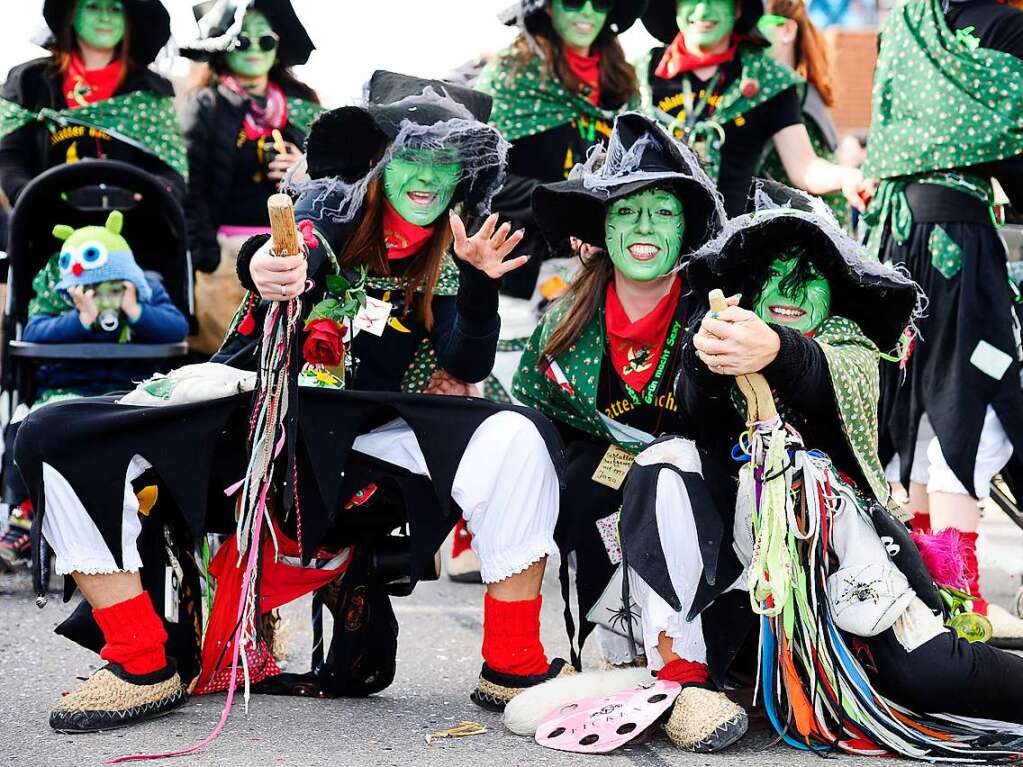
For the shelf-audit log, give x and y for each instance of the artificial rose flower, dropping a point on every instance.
(750, 88)
(324, 343)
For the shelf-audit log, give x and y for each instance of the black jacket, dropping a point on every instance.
(211, 119)
(25, 153)
(464, 334)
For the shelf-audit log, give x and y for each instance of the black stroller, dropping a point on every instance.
(78, 195)
(81, 194)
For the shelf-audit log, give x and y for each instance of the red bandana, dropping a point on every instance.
(87, 86)
(261, 121)
(401, 238)
(636, 346)
(587, 69)
(677, 58)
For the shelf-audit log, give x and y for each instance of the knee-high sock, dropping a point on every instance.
(134, 635)
(511, 636)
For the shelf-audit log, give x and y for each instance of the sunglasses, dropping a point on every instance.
(264, 42)
(600, 6)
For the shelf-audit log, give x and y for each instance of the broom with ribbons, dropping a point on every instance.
(815, 693)
(271, 427)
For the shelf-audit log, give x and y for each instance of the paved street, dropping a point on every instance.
(437, 662)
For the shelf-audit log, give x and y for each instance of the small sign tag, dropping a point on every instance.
(373, 316)
(614, 467)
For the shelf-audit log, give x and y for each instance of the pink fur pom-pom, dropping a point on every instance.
(943, 554)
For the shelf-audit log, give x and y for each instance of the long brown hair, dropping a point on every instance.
(618, 83)
(366, 248)
(811, 50)
(67, 45)
(584, 296)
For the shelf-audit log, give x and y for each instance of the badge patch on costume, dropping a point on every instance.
(613, 468)
(171, 589)
(608, 529)
(372, 317)
(990, 360)
(946, 255)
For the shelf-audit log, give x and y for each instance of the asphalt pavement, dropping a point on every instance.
(438, 660)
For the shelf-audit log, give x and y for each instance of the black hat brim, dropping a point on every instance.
(567, 209)
(294, 47)
(148, 19)
(659, 18)
(624, 14)
(879, 300)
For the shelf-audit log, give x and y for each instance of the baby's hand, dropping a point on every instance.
(130, 302)
(85, 302)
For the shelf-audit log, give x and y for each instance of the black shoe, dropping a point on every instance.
(113, 698)
(495, 690)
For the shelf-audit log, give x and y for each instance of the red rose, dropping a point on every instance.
(324, 344)
(750, 88)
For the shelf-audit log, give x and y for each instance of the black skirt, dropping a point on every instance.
(966, 353)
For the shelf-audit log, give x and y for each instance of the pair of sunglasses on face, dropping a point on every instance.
(600, 6)
(264, 42)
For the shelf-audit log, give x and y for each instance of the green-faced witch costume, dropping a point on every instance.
(947, 117)
(604, 420)
(550, 127)
(730, 118)
(854, 656)
(233, 136)
(42, 124)
(202, 428)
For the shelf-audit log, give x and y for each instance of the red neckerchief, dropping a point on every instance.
(401, 238)
(587, 69)
(678, 59)
(636, 346)
(87, 86)
(261, 121)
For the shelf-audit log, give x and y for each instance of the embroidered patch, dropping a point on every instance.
(608, 529)
(946, 255)
(990, 360)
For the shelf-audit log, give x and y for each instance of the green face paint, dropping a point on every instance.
(99, 23)
(768, 26)
(252, 61)
(802, 306)
(643, 233)
(578, 28)
(108, 297)
(420, 183)
(705, 23)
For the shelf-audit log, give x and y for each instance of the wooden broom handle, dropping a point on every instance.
(285, 237)
(754, 387)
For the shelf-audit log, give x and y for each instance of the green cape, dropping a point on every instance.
(527, 101)
(940, 101)
(142, 119)
(301, 113)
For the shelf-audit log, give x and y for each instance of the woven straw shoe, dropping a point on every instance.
(705, 721)
(113, 698)
(494, 689)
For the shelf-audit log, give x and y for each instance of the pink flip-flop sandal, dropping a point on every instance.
(600, 725)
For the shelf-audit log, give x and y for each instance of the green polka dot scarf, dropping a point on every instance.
(142, 119)
(941, 103)
(527, 101)
(301, 113)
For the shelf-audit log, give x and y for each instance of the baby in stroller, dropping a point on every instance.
(92, 291)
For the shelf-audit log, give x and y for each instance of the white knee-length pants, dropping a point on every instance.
(506, 486)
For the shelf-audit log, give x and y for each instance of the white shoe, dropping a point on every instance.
(459, 561)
